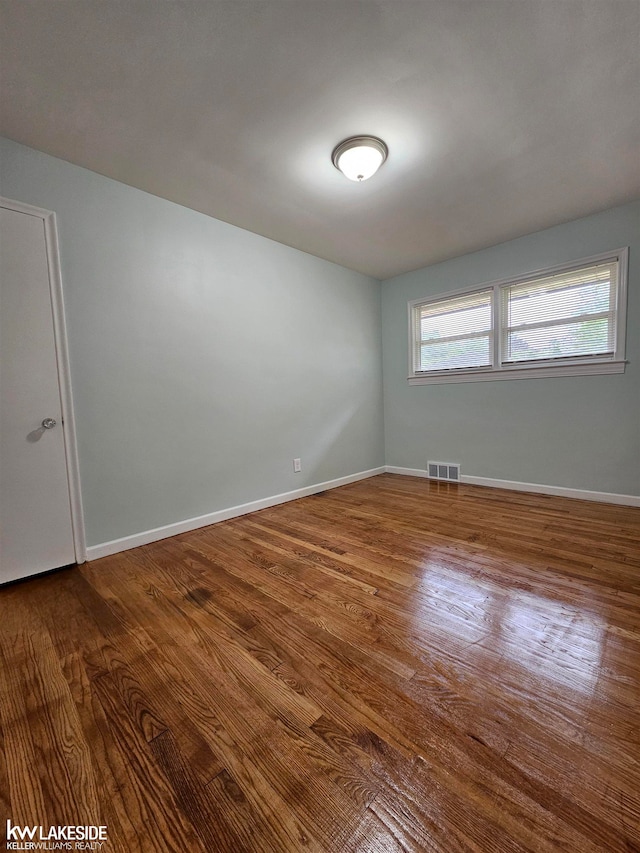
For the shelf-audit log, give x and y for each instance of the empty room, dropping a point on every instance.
(320, 426)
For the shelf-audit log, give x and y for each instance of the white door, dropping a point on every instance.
(36, 531)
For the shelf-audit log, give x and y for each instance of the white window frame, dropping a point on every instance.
(579, 366)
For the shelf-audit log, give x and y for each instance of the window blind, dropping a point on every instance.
(567, 315)
(454, 333)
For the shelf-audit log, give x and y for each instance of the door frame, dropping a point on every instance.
(48, 218)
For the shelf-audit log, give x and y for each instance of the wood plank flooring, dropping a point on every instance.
(395, 665)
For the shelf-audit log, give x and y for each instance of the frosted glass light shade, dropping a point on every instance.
(360, 157)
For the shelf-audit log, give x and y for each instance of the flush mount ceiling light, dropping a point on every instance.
(359, 157)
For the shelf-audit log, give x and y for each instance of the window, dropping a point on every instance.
(454, 333)
(565, 321)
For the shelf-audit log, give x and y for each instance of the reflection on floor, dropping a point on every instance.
(393, 665)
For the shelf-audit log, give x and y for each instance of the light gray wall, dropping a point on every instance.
(204, 358)
(577, 432)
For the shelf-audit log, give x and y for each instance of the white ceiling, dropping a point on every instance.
(501, 116)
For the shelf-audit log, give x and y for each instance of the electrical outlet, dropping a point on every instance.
(297, 466)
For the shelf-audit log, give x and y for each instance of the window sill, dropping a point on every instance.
(593, 368)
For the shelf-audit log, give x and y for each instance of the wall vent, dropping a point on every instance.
(449, 471)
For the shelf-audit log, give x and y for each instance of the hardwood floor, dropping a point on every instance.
(393, 665)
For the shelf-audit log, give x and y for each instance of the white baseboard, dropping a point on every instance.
(406, 472)
(537, 488)
(94, 552)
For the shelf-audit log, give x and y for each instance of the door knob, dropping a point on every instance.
(48, 423)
